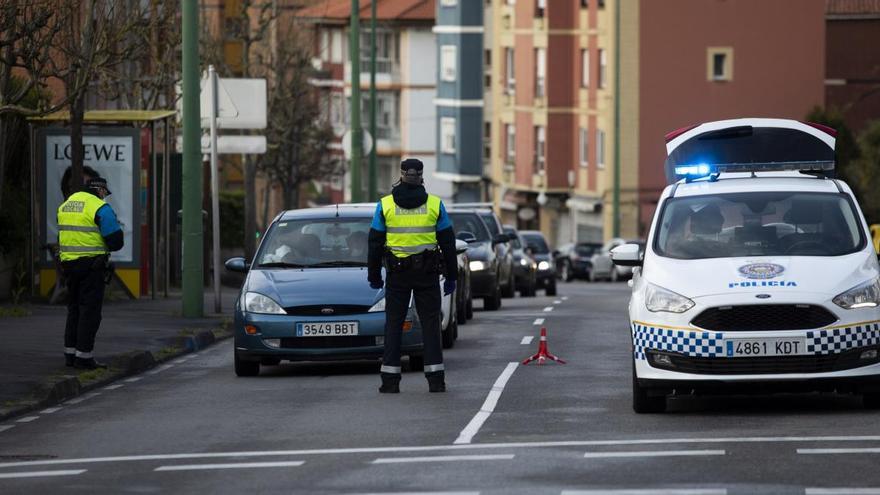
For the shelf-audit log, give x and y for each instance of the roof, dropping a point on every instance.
(360, 210)
(765, 182)
(852, 7)
(110, 116)
(386, 10)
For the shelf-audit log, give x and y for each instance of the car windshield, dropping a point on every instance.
(469, 222)
(514, 239)
(585, 249)
(758, 224)
(537, 243)
(489, 218)
(313, 242)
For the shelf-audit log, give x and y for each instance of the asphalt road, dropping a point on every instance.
(193, 427)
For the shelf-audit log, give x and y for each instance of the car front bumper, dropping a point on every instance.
(484, 283)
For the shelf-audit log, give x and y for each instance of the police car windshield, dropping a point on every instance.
(469, 222)
(330, 242)
(759, 224)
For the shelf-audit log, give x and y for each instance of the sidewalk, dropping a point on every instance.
(134, 336)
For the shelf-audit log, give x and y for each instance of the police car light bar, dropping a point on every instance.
(704, 170)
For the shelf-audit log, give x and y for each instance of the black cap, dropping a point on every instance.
(411, 166)
(96, 182)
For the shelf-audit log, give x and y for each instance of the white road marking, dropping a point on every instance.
(651, 491)
(135, 379)
(557, 302)
(114, 387)
(527, 340)
(538, 321)
(421, 493)
(653, 453)
(51, 410)
(160, 369)
(27, 419)
(548, 309)
(440, 448)
(6, 427)
(868, 450)
(467, 434)
(565, 298)
(39, 474)
(444, 458)
(238, 465)
(84, 397)
(842, 491)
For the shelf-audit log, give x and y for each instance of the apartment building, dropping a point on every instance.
(406, 65)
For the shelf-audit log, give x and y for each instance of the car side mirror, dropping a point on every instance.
(501, 239)
(237, 264)
(627, 255)
(556, 253)
(460, 246)
(466, 236)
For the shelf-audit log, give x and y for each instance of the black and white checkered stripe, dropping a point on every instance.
(836, 340)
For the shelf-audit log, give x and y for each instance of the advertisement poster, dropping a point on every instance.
(115, 154)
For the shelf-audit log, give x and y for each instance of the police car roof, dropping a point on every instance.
(345, 210)
(765, 181)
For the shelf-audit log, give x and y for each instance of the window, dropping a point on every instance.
(540, 144)
(540, 71)
(510, 87)
(584, 136)
(337, 112)
(448, 62)
(487, 140)
(585, 68)
(386, 51)
(585, 4)
(719, 65)
(487, 69)
(510, 141)
(447, 135)
(540, 7)
(600, 148)
(324, 49)
(603, 65)
(336, 54)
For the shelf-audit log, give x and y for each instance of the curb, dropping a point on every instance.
(60, 389)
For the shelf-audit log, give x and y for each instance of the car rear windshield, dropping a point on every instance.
(316, 243)
(469, 222)
(586, 250)
(489, 218)
(759, 224)
(514, 239)
(537, 243)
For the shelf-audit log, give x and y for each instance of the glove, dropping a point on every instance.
(448, 287)
(376, 284)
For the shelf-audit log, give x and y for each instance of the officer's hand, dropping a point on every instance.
(376, 284)
(448, 287)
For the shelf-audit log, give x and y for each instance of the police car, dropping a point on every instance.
(758, 274)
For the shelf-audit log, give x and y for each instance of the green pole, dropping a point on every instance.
(193, 276)
(357, 149)
(372, 179)
(616, 220)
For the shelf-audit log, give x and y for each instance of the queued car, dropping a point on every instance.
(525, 268)
(574, 260)
(537, 247)
(604, 269)
(306, 298)
(465, 303)
(500, 243)
(484, 262)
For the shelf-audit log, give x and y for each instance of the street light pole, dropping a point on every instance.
(372, 180)
(192, 276)
(357, 148)
(616, 220)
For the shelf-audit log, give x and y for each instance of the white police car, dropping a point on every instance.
(758, 273)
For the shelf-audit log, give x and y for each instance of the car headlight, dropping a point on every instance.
(254, 302)
(523, 262)
(477, 265)
(864, 295)
(659, 299)
(378, 307)
(544, 265)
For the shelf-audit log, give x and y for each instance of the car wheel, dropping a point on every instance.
(270, 361)
(246, 368)
(644, 403)
(470, 308)
(871, 400)
(565, 272)
(461, 311)
(493, 302)
(416, 363)
(448, 333)
(510, 289)
(551, 289)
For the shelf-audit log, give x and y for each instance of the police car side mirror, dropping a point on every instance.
(627, 255)
(237, 264)
(460, 246)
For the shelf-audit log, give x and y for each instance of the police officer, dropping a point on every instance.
(408, 228)
(87, 231)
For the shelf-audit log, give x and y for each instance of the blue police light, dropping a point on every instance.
(693, 171)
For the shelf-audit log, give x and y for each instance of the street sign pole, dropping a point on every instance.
(372, 179)
(357, 149)
(616, 197)
(215, 189)
(192, 272)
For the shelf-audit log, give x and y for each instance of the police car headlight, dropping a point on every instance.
(659, 299)
(865, 295)
(477, 265)
(544, 265)
(254, 302)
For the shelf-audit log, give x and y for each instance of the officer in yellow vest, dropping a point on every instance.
(87, 231)
(408, 228)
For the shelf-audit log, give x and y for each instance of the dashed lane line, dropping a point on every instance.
(444, 458)
(842, 491)
(160, 369)
(653, 453)
(867, 450)
(421, 493)
(564, 298)
(134, 379)
(6, 427)
(527, 340)
(51, 410)
(27, 419)
(548, 309)
(114, 387)
(40, 474)
(81, 399)
(467, 434)
(650, 491)
(557, 301)
(237, 465)
(538, 321)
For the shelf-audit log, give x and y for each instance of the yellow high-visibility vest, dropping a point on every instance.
(78, 234)
(411, 231)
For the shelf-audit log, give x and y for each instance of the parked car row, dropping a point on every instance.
(592, 261)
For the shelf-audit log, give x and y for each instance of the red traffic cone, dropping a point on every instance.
(543, 354)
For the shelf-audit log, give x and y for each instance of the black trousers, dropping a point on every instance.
(425, 288)
(85, 296)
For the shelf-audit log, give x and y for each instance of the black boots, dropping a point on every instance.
(390, 383)
(88, 364)
(436, 381)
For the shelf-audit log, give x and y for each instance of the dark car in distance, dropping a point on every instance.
(525, 268)
(482, 256)
(538, 248)
(574, 260)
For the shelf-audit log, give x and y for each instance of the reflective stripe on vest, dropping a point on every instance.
(78, 234)
(411, 231)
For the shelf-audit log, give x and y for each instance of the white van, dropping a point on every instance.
(758, 274)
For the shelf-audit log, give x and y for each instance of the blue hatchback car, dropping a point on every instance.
(306, 296)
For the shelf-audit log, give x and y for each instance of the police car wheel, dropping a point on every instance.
(871, 401)
(644, 403)
(246, 368)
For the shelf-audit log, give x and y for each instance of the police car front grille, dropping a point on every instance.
(762, 365)
(764, 317)
(327, 342)
(327, 310)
